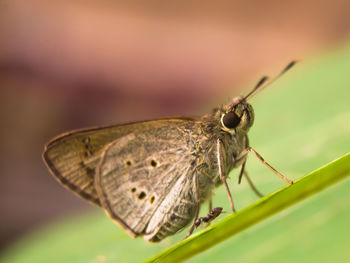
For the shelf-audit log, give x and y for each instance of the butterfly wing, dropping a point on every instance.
(73, 157)
(139, 171)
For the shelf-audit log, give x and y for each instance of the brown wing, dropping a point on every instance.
(73, 157)
(140, 170)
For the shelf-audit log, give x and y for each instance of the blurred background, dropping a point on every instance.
(73, 64)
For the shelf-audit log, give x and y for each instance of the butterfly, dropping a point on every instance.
(151, 177)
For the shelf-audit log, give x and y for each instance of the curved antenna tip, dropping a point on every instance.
(262, 82)
(289, 66)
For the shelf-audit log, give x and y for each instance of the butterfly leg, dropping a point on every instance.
(194, 222)
(255, 190)
(221, 171)
(210, 205)
(195, 190)
(250, 182)
(241, 172)
(261, 159)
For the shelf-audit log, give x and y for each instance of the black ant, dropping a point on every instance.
(214, 213)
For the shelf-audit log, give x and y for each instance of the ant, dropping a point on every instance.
(214, 213)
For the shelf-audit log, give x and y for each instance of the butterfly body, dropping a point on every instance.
(201, 177)
(151, 176)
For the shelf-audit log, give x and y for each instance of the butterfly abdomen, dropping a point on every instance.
(176, 220)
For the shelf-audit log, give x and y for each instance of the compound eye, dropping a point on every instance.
(231, 120)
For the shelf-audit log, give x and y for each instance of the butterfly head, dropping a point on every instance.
(238, 115)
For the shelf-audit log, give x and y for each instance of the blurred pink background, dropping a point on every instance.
(74, 64)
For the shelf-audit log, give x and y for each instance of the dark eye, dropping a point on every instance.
(231, 120)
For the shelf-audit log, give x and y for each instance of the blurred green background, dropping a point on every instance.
(73, 65)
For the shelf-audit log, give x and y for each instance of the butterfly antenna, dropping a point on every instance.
(263, 81)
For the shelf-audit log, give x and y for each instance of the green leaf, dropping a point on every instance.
(265, 207)
(302, 123)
